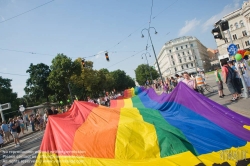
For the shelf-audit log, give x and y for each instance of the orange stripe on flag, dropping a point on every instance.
(97, 135)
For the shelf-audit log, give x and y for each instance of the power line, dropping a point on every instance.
(31, 52)
(165, 9)
(26, 11)
(13, 74)
(126, 58)
(28, 52)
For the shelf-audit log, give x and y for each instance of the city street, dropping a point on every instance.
(25, 154)
(241, 106)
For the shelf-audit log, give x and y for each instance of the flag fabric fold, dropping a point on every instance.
(144, 128)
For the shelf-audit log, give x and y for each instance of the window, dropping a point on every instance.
(236, 25)
(169, 51)
(226, 40)
(241, 23)
(187, 65)
(182, 67)
(175, 69)
(180, 61)
(244, 33)
(238, 46)
(178, 54)
(186, 46)
(181, 47)
(172, 56)
(173, 63)
(191, 45)
(195, 57)
(183, 53)
(185, 60)
(176, 48)
(235, 37)
(190, 58)
(192, 64)
(188, 52)
(231, 27)
(247, 43)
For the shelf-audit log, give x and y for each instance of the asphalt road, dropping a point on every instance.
(25, 154)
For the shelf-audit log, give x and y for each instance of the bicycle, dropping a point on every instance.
(205, 86)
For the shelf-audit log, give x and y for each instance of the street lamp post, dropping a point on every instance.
(153, 50)
(147, 64)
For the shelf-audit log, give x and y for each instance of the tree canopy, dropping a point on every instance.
(142, 73)
(8, 96)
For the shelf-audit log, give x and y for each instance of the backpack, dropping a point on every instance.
(231, 73)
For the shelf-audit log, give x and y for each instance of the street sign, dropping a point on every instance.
(21, 108)
(5, 106)
(232, 49)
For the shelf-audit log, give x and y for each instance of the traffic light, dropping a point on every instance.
(224, 25)
(83, 62)
(107, 56)
(218, 33)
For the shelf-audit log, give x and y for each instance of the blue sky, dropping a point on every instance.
(81, 28)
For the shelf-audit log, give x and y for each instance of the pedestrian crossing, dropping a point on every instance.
(24, 155)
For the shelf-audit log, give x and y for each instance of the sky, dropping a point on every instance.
(81, 28)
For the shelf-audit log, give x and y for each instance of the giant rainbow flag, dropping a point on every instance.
(180, 128)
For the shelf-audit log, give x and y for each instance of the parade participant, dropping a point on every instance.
(13, 129)
(189, 82)
(219, 83)
(6, 131)
(229, 76)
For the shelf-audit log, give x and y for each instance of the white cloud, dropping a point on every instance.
(189, 25)
(226, 10)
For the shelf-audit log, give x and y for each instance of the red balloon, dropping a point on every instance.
(242, 52)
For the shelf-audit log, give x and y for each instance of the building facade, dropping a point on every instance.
(183, 54)
(239, 29)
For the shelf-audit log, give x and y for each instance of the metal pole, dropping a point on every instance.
(156, 59)
(195, 65)
(70, 93)
(149, 68)
(229, 34)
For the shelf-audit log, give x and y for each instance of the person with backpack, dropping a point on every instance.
(229, 78)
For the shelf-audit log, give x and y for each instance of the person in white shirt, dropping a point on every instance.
(179, 78)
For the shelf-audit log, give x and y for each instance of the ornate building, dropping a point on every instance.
(239, 29)
(183, 54)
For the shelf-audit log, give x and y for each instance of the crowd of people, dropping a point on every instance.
(231, 77)
(105, 100)
(12, 129)
(172, 82)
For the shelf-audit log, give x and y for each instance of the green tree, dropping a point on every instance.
(62, 69)
(8, 96)
(37, 86)
(142, 73)
(121, 80)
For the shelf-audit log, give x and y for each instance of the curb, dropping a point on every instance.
(20, 137)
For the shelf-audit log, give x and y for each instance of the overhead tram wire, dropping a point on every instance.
(26, 11)
(13, 74)
(145, 23)
(94, 54)
(28, 52)
(165, 9)
(126, 58)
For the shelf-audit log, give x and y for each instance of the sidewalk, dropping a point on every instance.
(241, 106)
(27, 133)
